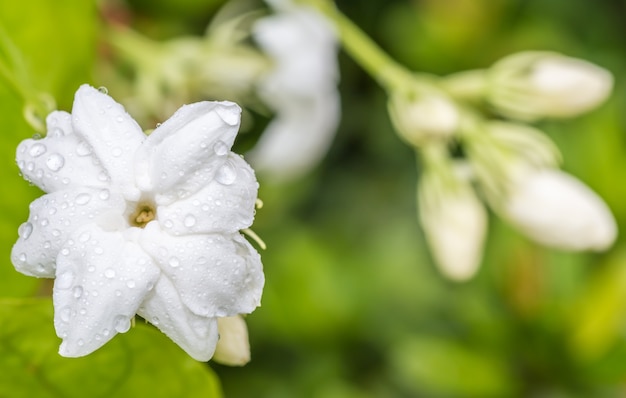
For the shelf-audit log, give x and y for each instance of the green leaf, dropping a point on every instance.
(142, 362)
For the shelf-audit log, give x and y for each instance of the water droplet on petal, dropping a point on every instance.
(65, 251)
(56, 232)
(226, 174)
(37, 150)
(55, 162)
(22, 257)
(189, 221)
(168, 224)
(80, 342)
(77, 292)
(174, 262)
(83, 198)
(109, 273)
(65, 313)
(103, 90)
(120, 119)
(220, 148)
(84, 237)
(83, 149)
(25, 230)
(121, 324)
(155, 321)
(106, 332)
(55, 132)
(229, 114)
(98, 250)
(104, 194)
(64, 280)
(130, 283)
(116, 152)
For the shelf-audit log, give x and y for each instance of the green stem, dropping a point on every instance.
(387, 72)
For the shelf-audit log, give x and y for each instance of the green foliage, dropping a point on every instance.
(138, 363)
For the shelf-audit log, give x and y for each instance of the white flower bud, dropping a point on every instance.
(455, 224)
(533, 85)
(423, 118)
(233, 347)
(557, 210)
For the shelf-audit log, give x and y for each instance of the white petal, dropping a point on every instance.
(215, 275)
(101, 280)
(59, 123)
(184, 153)
(111, 132)
(52, 220)
(164, 309)
(60, 161)
(226, 204)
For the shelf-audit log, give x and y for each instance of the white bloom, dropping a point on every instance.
(533, 85)
(555, 209)
(233, 347)
(135, 224)
(301, 88)
(455, 223)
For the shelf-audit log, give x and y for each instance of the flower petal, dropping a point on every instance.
(183, 154)
(163, 308)
(52, 220)
(61, 160)
(226, 204)
(111, 132)
(101, 280)
(233, 347)
(215, 275)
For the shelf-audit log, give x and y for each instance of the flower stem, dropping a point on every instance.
(387, 72)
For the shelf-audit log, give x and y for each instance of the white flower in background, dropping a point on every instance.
(555, 209)
(233, 347)
(301, 89)
(534, 85)
(455, 223)
(424, 118)
(135, 224)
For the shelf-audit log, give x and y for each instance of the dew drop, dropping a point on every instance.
(109, 273)
(55, 162)
(30, 166)
(98, 250)
(230, 114)
(44, 222)
(121, 324)
(116, 152)
(22, 257)
(25, 230)
(37, 150)
(65, 313)
(226, 174)
(189, 221)
(104, 194)
(80, 342)
(77, 292)
(220, 148)
(106, 332)
(174, 262)
(56, 132)
(103, 90)
(91, 268)
(118, 293)
(64, 281)
(83, 149)
(155, 321)
(83, 198)
(65, 251)
(84, 237)
(47, 244)
(119, 119)
(130, 283)
(56, 232)
(168, 224)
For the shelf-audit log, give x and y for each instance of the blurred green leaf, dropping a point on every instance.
(142, 362)
(435, 366)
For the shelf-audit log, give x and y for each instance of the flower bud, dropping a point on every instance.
(533, 85)
(233, 348)
(557, 210)
(455, 223)
(419, 118)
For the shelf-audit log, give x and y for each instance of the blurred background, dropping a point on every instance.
(353, 305)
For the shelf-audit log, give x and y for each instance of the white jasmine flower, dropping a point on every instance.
(455, 223)
(301, 88)
(532, 85)
(135, 224)
(233, 347)
(555, 209)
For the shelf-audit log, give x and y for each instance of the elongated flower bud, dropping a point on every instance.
(555, 209)
(533, 85)
(233, 347)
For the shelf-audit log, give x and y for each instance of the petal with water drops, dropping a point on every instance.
(195, 334)
(101, 280)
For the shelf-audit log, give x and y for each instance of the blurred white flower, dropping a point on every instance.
(555, 209)
(135, 224)
(301, 89)
(426, 117)
(455, 223)
(533, 85)
(233, 347)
